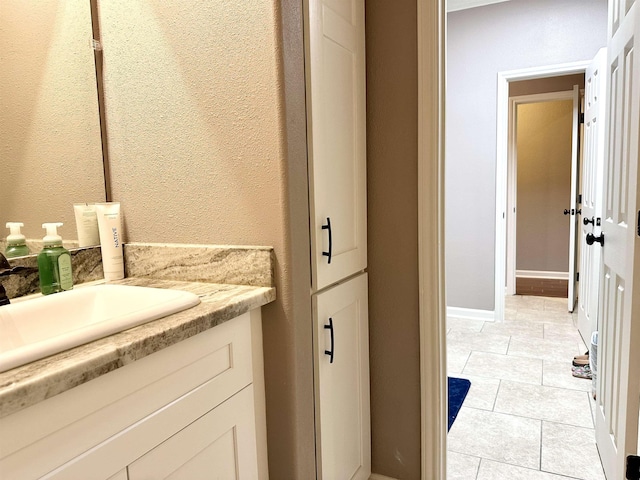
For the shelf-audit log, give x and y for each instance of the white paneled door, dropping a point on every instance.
(336, 130)
(618, 392)
(592, 185)
(575, 179)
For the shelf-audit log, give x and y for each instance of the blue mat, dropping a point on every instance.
(458, 389)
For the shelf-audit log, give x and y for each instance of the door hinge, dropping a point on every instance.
(582, 118)
(580, 198)
(577, 280)
(633, 467)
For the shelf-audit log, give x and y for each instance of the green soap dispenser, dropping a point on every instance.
(16, 243)
(54, 262)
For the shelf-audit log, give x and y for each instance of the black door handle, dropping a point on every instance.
(573, 211)
(327, 226)
(591, 239)
(588, 221)
(330, 328)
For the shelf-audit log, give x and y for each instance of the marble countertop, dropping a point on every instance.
(29, 384)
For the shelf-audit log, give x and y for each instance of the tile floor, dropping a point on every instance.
(525, 417)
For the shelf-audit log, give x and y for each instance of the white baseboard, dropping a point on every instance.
(539, 274)
(377, 476)
(471, 313)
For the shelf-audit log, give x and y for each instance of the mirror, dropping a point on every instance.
(50, 142)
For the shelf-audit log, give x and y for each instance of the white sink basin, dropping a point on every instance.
(40, 327)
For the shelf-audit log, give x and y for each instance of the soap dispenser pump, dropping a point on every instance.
(16, 243)
(54, 262)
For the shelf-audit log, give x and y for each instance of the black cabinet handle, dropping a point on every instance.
(588, 221)
(591, 239)
(330, 328)
(327, 226)
(567, 212)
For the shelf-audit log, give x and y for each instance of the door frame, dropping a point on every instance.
(502, 161)
(512, 176)
(431, 25)
(431, 147)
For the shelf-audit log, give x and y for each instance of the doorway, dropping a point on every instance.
(509, 358)
(539, 188)
(619, 73)
(504, 134)
(522, 360)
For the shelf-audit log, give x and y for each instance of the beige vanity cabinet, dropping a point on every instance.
(192, 410)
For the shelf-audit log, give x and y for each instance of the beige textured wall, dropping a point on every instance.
(50, 147)
(199, 154)
(544, 183)
(194, 118)
(392, 171)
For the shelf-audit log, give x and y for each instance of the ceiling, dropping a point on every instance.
(455, 5)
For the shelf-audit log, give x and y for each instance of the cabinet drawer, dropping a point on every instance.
(40, 438)
(221, 444)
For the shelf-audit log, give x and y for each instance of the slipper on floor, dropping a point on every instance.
(580, 362)
(582, 372)
(575, 367)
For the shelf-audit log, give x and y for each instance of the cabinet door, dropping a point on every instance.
(336, 130)
(342, 376)
(219, 445)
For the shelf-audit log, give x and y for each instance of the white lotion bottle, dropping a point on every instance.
(110, 228)
(86, 224)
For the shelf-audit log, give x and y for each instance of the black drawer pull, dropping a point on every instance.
(327, 226)
(330, 328)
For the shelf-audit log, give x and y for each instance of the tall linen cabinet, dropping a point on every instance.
(335, 71)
